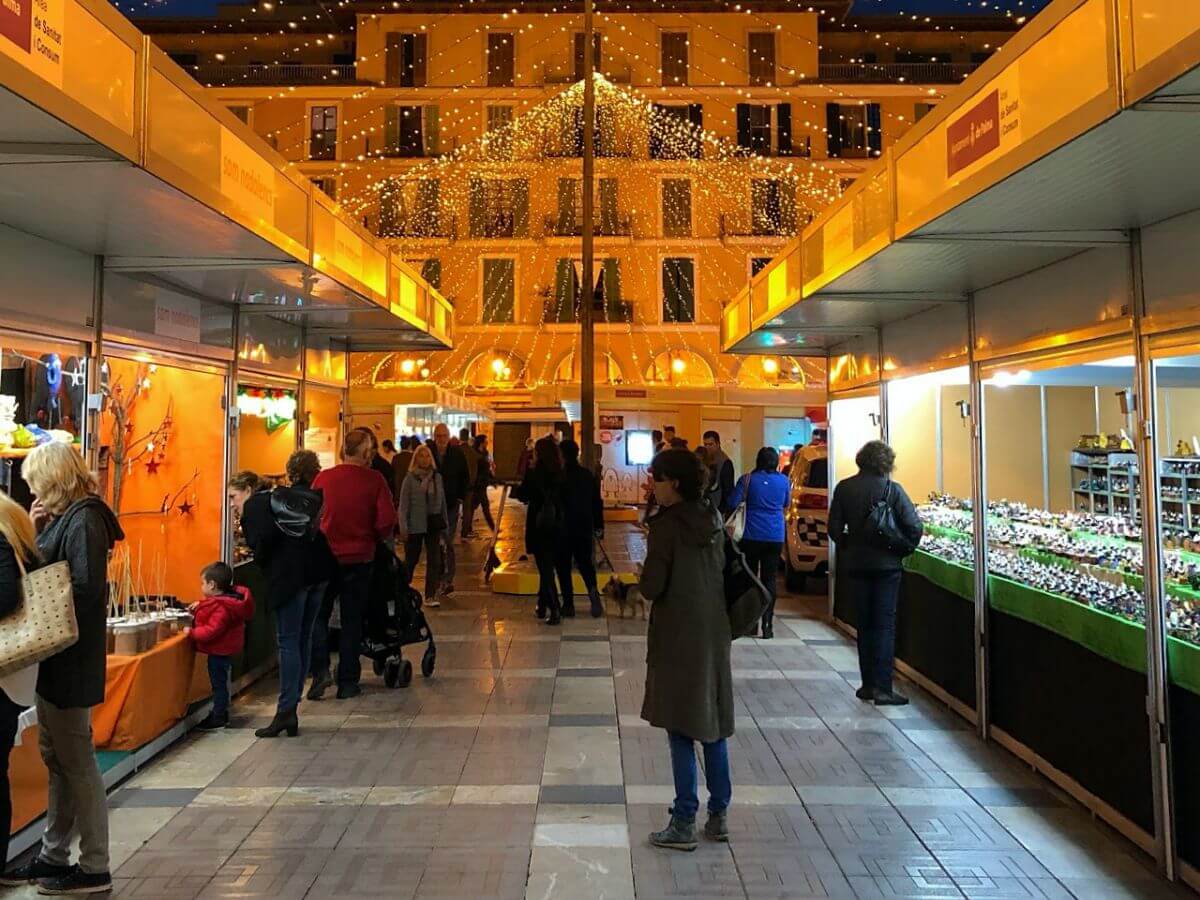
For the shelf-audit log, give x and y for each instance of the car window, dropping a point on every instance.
(818, 473)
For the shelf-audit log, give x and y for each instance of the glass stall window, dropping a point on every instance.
(1066, 609)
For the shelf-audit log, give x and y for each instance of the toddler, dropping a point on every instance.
(220, 631)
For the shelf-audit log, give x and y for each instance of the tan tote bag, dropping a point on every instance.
(44, 623)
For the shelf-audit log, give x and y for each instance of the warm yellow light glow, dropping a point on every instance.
(678, 365)
(770, 365)
(497, 365)
(407, 366)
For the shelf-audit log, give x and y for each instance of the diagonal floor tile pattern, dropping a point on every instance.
(521, 770)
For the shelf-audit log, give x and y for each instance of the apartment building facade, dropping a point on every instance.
(458, 134)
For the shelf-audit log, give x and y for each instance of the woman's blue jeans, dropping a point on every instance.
(293, 631)
(716, 774)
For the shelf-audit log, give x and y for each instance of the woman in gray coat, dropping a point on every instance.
(423, 520)
(689, 685)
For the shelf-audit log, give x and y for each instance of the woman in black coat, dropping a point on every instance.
(74, 525)
(869, 572)
(298, 569)
(543, 491)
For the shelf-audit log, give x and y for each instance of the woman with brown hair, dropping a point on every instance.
(423, 519)
(75, 525)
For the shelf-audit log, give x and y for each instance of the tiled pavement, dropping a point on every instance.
(522, 770)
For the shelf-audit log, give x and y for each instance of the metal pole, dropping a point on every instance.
(979, 526)
(1157, 704)
(587, 334)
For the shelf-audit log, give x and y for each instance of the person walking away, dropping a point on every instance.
(543, 492)
(75, 525)
(299, 567)
(382, 466)
(388, 451)
(357, 515)
(422, 520)
(456, 483)
(689, 682)
(485, 477)
(765, 492)
(403, 459)
(721, 467)
(471, 455)
(870, 572)
(220, 631)
(525, 460)
(585, 524)
(18, 554)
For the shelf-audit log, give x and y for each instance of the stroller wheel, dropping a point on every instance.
(428, 661)
(397, 673)
(377, 665)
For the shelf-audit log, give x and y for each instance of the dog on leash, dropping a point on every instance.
(625, 596)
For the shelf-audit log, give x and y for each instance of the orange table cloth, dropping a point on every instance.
(144, 695)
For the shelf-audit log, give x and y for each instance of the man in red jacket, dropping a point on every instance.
(357, 515)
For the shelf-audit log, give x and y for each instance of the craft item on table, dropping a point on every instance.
(8, 419)
(40, 434)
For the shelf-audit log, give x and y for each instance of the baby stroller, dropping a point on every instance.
(395, 620)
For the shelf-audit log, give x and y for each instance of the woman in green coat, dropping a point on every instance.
(689, 685)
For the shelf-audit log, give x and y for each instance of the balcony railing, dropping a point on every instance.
(418, 227)
(283, 73)
(614, 311)
(889, 73)
(604, 227)
(557, 72)
(763, 226)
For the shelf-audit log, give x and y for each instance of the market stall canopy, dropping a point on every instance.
(111, 149)
(1075, 132)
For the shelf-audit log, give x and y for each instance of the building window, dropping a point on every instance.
(758, 263)
(431, 272)
(765, 129)
(677, 207)
(406, 60)
(676, 131)
(410, 208)
(761, 46)
(679, 289)
(500, 59)
(772, 206)
(853, 131)
(242, 112)
(411, 131)
(564, 306)
(499, 291)
(605, 212)
(674, 61)
(322, 132)
(597, 45)
(499, 134)
(327, 185)
(499, 207)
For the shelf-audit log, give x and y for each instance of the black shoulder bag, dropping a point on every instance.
(297, 511)
(882, 531)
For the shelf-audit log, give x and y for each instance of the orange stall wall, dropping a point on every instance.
(169, 548)
(266, 454)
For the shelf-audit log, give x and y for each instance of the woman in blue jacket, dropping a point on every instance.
(765, 491)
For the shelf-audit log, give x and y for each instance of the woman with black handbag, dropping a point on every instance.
(874, 525)
(282, 529)
(423, 519)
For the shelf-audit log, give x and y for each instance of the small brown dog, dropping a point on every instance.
(626, 596)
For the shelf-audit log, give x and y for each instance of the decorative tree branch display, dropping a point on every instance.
(121, 402)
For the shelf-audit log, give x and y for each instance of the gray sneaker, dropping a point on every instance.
(717, 827)
(678, 835)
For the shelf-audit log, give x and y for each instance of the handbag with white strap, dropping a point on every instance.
(735, 525)
(44, 622)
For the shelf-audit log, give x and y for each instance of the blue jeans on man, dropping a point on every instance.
(716, 775)
(294, 622)
(219, 668)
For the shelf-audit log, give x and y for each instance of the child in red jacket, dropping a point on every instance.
(220, 631)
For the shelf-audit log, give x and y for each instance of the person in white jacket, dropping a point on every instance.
(18, 541)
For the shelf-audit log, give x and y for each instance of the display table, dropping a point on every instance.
(144, 695)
